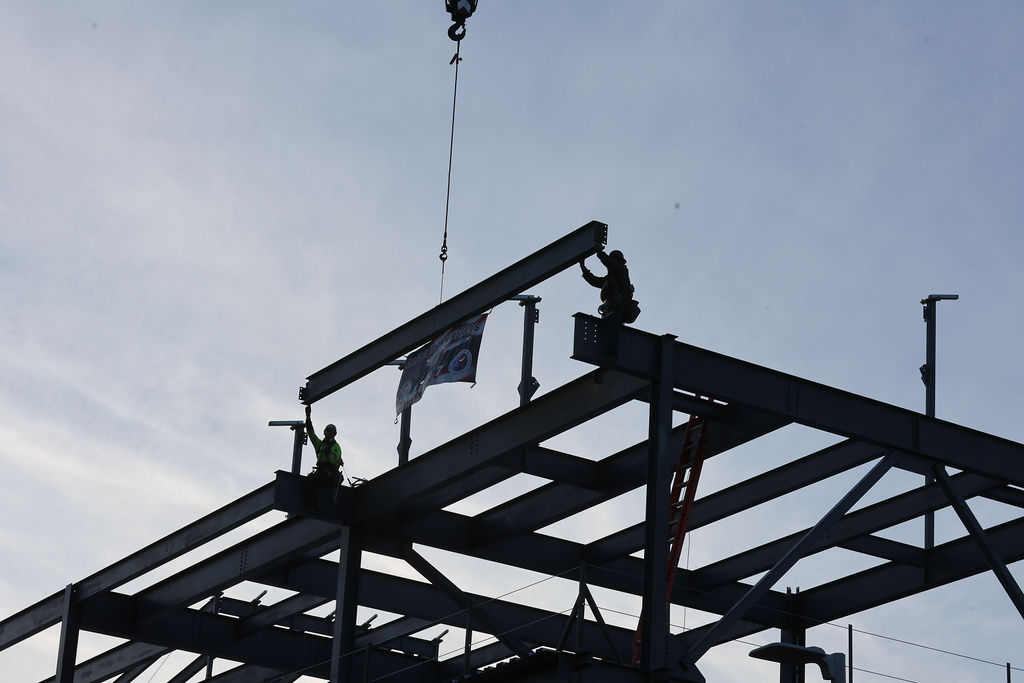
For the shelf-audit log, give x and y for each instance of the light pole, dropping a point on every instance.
(928, 377)
(832, 665)
(300, 440)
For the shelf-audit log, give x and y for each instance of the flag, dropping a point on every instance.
(451, 357)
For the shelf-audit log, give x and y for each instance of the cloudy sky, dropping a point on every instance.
(203, 203)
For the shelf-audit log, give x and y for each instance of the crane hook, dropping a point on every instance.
(460, 11)
(454, 31)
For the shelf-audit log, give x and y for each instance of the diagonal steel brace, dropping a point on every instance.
(444, 584)
(980, 538)
(799, 550)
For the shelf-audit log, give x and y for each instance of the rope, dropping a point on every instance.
(451, 146)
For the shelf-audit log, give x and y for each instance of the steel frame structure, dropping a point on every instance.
(405, 507)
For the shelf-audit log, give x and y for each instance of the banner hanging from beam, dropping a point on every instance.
(452, 357)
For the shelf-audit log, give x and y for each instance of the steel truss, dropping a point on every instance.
(406, 507)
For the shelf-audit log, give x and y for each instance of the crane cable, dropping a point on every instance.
(451, 146)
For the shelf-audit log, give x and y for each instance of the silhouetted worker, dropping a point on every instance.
(328, 454)
(617, 302)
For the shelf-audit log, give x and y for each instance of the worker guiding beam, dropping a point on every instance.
(617, 303)
(327, 471)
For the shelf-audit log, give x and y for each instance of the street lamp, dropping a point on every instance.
(833, 666)
(928, 369)
(300, 440)
(928, 377)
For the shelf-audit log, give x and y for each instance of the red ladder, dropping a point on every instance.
(684, 492)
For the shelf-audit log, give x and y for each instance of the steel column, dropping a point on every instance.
(343, 644)
(791, 672)
(68, 647)
(654, 615)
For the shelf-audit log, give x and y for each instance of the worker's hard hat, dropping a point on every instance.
(617, 254)
(330, 428)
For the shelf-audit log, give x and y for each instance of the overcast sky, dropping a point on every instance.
(203, 203)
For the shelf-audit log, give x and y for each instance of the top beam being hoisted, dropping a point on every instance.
(537, 267)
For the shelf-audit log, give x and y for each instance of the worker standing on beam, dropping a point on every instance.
(328, 454)
(617, 303)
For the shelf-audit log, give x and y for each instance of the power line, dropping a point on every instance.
(684, 628)
(443, 619)
(826, 623)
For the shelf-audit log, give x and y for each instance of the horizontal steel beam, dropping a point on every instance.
(282, 543)
(860, 523)
(617, 474)
(952, 561)
(461, 600)
(522, 275)
(746, 494)
(201, 632)
(191, 669)
(809, 403)
(115, 661)
(540, 553)
(886, 549)
(793, 555)
(399, 491)
(250, 673)
(537, 627)
(48, 612)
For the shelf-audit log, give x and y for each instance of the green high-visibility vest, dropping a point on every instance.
(330, 456)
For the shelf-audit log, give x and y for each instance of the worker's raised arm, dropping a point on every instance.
(593, 280)
(309, 428)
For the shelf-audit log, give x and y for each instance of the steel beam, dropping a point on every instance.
(952, 561)
(1010, 495)
(501, 286)
(809, 403)
(250, 673)
(533, 626)
(654, 623)
(278, 649)
(288, 612)
(279, 544)
(137, 671)
(617, 474)
(848, 532)
(48, 612)
(399, 490)
(115, 661)
(190, 670)
(343, 640)
(885, 549)
(745, 495)
(69, 628)
(977, 532)
(808, 541)
(462, 601)
(534, 552)
(129, 660)
(203, 632)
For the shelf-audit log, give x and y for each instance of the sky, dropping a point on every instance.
(203, 203)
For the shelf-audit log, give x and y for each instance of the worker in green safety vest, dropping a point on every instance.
(328, 453)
